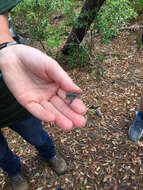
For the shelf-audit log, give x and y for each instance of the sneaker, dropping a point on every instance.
(19, 183)
(136, 129)
(58, 164)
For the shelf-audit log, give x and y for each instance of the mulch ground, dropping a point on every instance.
(100, 156)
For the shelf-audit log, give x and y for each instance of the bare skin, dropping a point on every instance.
(39, 84)
(5, 35)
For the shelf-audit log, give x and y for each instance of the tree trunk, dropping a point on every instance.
(82, 24)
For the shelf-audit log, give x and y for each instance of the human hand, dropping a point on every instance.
(40, 85)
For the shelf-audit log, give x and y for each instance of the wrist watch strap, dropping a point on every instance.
(6, 44)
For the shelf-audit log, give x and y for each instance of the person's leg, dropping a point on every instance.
(136, 128)
(31, 130)
(9, 161)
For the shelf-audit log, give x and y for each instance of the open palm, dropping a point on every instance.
(39, 84)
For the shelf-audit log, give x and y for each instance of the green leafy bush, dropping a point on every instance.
(32, 18)
(36, 20)
(113, 15)
(79, 56)
(38, 17)
(137, 5)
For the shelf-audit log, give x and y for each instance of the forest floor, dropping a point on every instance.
(100, 156)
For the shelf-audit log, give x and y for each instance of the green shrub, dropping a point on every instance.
(36, 19)
(79, 56)
(32, 18)
(113, 15)
(137, 5)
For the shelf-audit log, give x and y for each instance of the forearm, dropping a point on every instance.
(5, 35)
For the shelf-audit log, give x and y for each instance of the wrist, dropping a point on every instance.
(6, 38)
(5, 54)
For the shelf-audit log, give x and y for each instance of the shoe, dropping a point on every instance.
(58, 164)
(136, 129)
(19, 183)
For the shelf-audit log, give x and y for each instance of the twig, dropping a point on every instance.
(42, 45)
(134, 27)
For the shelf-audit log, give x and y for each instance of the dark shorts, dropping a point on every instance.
(11, 111)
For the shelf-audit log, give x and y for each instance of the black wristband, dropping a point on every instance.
(6, 44)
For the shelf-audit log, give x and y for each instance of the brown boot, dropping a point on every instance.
(19, 183)
(58, 164)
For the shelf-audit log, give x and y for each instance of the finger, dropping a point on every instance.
(61, 77)
(38, 111)
(77, 105)
(77, 119)
(60, 119)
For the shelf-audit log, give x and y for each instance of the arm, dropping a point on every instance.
(5, 35)
(38, 83)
